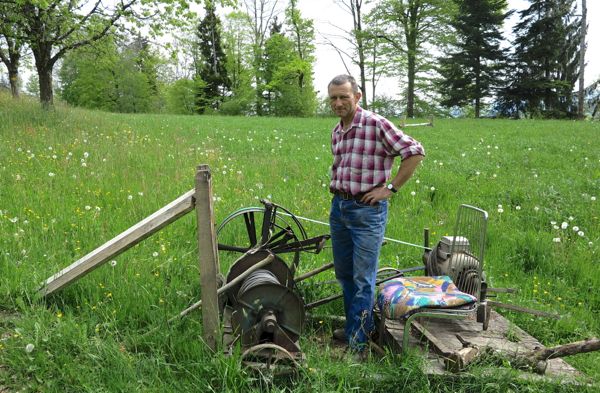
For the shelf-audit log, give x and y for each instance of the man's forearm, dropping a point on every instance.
(406, 170)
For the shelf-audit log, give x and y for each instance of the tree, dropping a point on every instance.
(112, 75)
(472, 70)
(259, 17)
(544, 64)
(52, 28)
(239, 56)
(356, 38)
(181, 97)
(11, 45)
(415, 29)
(289, 81)
(211, 65)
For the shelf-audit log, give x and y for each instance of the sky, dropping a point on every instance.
(327, 15)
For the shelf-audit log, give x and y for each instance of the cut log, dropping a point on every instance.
(537, 359)
(132, 236)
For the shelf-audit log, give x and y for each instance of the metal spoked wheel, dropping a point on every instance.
(269, 227)
(270, 360)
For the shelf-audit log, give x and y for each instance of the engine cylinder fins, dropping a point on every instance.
(277, 267)
(266, 311)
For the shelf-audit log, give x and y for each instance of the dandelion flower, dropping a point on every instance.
(113, 263)
(564, 225)
(500, 210)
(130, 197)
(592, 198)
(413, 193)
(432, 188)
(556, 240)
(536, 208)
(29, 348)
(576, 229)
(88, 207)
(517, 207)
(581, 233)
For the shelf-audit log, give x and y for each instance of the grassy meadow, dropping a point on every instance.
(72, 179)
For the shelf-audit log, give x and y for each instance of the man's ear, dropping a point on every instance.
(358, 96)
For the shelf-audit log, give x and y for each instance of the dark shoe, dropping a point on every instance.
(340, 335)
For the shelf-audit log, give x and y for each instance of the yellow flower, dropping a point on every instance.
(59, 314)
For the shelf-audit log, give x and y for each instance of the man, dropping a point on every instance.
(364, 146)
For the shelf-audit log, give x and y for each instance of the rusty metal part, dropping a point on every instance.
(266, 311)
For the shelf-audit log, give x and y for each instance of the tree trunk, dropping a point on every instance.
(42, 52)
(580, 95)
(13, 76)
(410, 93)
(46, 93)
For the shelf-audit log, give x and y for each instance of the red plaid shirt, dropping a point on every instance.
(363, 156)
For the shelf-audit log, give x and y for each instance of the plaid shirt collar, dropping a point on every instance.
(356, 121)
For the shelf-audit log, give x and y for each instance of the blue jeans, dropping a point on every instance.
(356, 236)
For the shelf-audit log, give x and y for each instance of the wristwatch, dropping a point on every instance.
(390, 187)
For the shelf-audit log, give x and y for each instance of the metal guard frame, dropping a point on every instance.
(465, 269)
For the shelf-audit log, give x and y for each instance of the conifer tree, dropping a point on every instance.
(210, 67)
(545, 61)
(471, 71)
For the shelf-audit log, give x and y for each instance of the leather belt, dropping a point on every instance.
(347, 196)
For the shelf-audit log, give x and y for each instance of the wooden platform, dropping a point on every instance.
(444, 337)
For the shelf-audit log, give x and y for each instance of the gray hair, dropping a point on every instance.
(343, 79)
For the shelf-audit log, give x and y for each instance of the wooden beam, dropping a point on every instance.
(127, 239)
(208, 257)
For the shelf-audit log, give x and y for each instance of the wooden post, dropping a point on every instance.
(207, 256)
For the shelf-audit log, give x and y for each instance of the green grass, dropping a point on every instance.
(72, 179)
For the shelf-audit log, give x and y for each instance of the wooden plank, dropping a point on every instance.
(208, 257)
(127, 239)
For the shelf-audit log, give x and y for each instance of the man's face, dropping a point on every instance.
(343, 101)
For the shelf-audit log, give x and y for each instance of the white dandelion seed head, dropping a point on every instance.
(555, 227)
(564, 225)
(556, 240)
(113, 263)
(500, 210)
(83, 164)
(88, 207)
(29, 348)
(517, 207)
(129, 197)
(590, 244)
(581, 233)
(432, 188)
(536, 208)
(571, 218)
(552, 222)
(499, 206)
(86, 154)
(413, 193)
(576, 229)
(592, 198)
(417, 181)
(155, 254)
(51, 174)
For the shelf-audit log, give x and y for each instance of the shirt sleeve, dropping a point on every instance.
(397, 143)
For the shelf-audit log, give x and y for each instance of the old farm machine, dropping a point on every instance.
(256, 304)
